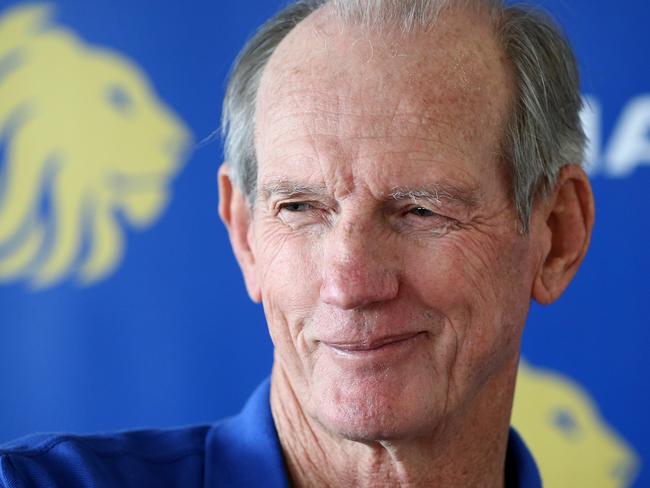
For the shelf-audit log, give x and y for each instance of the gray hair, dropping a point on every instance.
(543, 134)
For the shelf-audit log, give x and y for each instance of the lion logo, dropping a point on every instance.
(85, 147)
(572, 444)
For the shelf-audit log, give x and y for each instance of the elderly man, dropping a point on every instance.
(401, 179)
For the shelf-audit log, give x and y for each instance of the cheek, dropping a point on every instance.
(450, 275)
(493, 272)
(288, 274)
(480, 286)
(280, 254)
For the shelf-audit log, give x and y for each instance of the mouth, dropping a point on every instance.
(381, 344)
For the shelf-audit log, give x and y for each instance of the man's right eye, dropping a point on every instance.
(300, 214)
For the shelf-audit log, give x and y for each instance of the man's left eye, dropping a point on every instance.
(422, 212)
(424, 218)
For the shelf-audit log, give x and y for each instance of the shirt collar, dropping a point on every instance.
(521, 469)
(244, 451)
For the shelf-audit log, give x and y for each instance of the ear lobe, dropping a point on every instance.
(569, 220)
(236, 216)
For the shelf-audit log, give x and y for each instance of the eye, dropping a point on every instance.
(301, 214)
(119, 98)
(296, 206)
(418, 217)
(422, 212)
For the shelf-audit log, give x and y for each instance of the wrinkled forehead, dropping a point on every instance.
(353, 101)
(457, 61)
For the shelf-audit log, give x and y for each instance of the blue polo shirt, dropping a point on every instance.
(242, 451)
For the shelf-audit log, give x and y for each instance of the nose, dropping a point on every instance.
(360, 268)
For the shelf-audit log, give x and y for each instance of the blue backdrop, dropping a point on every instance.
(159, 331)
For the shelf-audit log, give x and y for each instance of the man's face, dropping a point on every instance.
(393, 277)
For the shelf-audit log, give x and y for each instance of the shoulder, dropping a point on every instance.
(165, 458)
(521, 469)
(239, 451)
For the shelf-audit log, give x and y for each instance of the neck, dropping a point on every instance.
(467, 450)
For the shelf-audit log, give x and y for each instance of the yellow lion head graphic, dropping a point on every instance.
(85, 144)
(572, 444)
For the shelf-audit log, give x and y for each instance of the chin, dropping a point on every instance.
(374, 410)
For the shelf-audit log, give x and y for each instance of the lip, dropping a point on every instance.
(368, 346)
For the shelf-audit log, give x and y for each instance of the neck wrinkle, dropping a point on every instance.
(316, 458)
(302, 458)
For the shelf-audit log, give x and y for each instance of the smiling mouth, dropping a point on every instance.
(375, 345)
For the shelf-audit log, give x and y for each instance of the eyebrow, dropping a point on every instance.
(284, 187)
(442, 193)
(439, 194)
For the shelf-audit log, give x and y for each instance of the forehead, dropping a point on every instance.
(343, 87)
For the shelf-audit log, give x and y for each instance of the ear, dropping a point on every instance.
(236, 216)
(568, 218)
